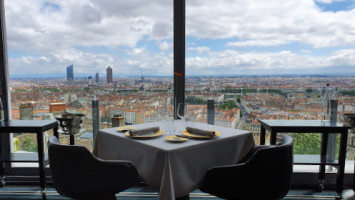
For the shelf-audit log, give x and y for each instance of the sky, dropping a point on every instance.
(224, 37)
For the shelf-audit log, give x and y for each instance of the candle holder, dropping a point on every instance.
(70, 124)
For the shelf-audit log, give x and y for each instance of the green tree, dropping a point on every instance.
(195, 101)
(228, 105)
(349, 93)
(249, 90)
(309, 143)
(309, 90)
(238, 99)
(86, 89)
(29, 145)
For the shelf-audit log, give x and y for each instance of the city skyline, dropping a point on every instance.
(240, 38)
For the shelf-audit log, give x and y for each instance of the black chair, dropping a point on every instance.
(264, 173)
(77, 174)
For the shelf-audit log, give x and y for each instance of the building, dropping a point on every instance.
(118, 121)
(97, 77)
(26, 112)
(109, 75)
(57, 108)
(130, 116)
(70, 73)
(69, 97)
(91, 82)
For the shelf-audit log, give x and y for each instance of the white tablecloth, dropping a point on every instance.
(176, 168)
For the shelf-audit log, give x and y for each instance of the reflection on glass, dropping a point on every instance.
(183, 112)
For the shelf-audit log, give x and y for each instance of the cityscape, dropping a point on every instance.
(112, 76)
(239, 101)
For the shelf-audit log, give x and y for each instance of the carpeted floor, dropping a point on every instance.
(144, 193)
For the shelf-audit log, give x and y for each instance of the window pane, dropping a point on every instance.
(270, 60)
(64, 54)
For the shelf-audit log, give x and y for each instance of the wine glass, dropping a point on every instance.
(182, 112)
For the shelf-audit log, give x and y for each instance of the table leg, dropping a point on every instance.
(273, 137)
(71, 137)
(2, 171)
(262, 135)
(323, 160)
(342, 157)
(42, 174)
(55, 131)
(186, 197)
(2, 175)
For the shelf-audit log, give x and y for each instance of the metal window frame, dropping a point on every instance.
(178, 73)
(179, 53)
(4, 88)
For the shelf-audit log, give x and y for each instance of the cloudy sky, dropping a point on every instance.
(224, 37)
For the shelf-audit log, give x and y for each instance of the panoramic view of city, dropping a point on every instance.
(239, 101)
(234, 63)
(126, 65)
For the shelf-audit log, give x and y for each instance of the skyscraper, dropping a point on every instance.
(109, 75)
(70, 73)
(90, 80)
(97, 77)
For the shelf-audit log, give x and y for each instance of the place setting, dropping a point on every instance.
(144, 133)
(196, 133)
(190, 132)
(124, 129)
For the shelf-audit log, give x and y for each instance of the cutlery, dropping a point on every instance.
(125, 130)
(145, 133)
(183, 136)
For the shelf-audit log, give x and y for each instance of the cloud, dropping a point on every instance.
(260, 43)
(328, 1)
(278, 20)
(200, 49)
(86, 64)
(165, 45)
(138, 34)
(283, 62)
(84, 23)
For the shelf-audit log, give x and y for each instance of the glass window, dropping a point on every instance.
(64, 54)
(271, 60)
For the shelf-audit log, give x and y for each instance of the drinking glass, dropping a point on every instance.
(163, 112)
(182, 112)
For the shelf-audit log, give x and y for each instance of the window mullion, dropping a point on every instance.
(179, 53)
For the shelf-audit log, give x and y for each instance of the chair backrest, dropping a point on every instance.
(76, 173)
(265, 174)
(273, 168)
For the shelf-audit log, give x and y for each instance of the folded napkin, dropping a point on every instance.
(200, 132)
(143, 131)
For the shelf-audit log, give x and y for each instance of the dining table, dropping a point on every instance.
(175, 167)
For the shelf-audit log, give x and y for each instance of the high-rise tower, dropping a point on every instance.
(70, 73)
(97, 77)
(109, 75)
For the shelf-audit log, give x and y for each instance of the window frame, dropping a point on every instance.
(4, 90)
(179, 7)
